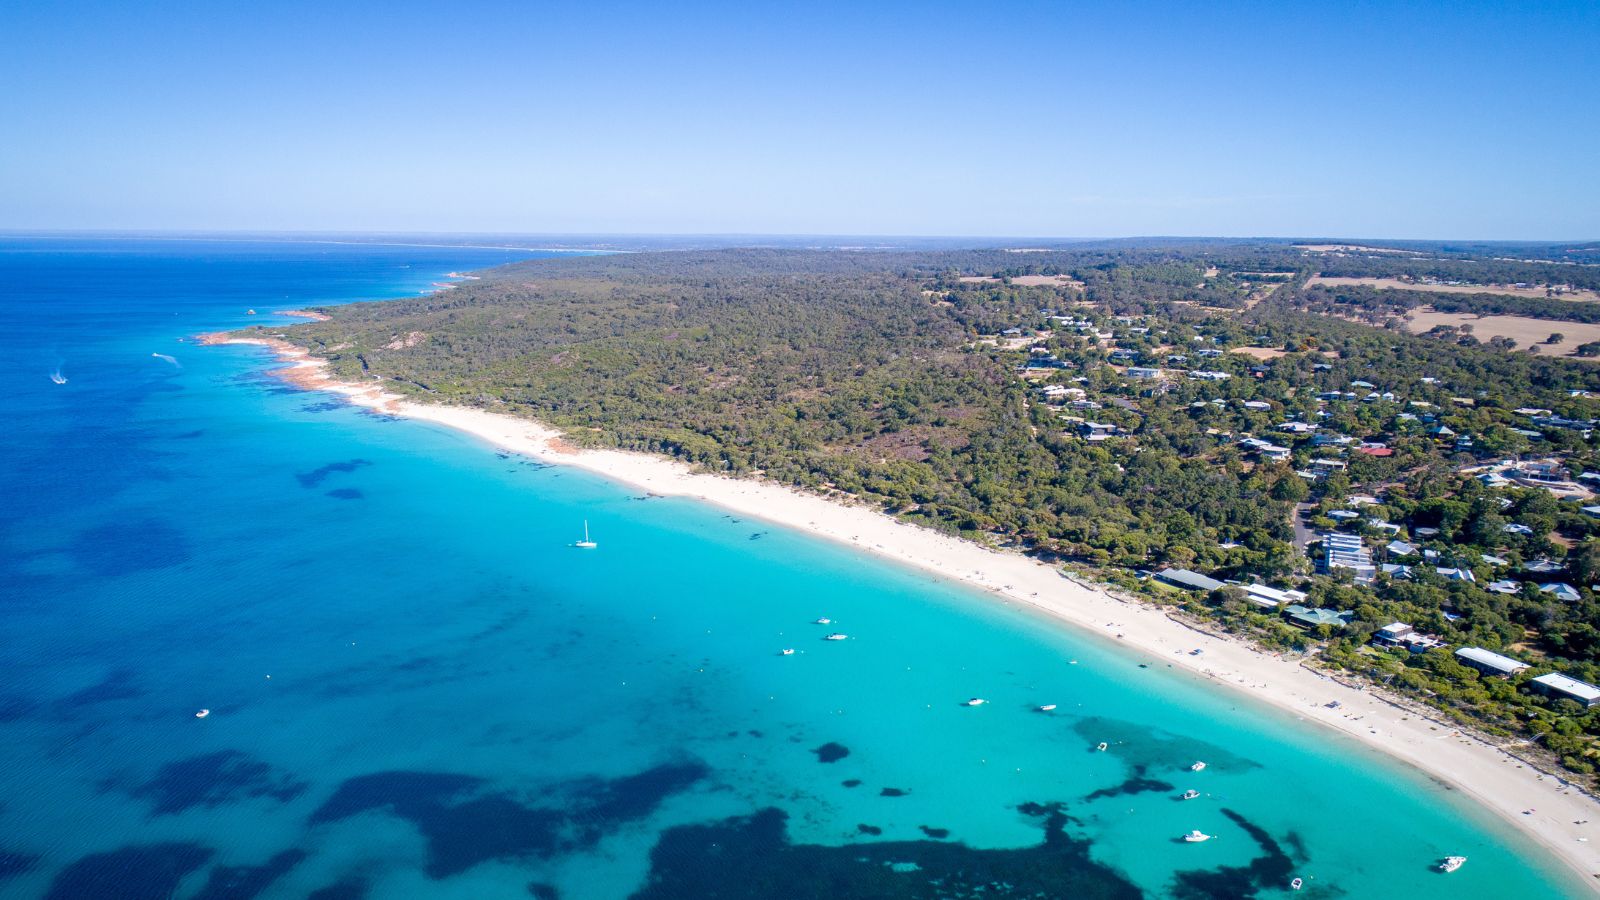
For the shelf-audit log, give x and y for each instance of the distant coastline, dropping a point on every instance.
(1502, 783)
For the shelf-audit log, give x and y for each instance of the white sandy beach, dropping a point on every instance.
(1541, 806)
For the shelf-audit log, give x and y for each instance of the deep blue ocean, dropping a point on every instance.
(418, 688)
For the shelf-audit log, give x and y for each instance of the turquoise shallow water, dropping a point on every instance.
(462, 705)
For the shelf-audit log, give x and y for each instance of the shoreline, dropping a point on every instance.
(1542, 808)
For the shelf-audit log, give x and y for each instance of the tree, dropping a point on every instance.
(1555, 337)
(1590, 349)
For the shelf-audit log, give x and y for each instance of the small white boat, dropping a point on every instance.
(1101, 746)
(976, 701)
(1047, 707)
(249, 312)
(1196, 836)
(202, 714)
(837, 636)
(787, 651)
(1190, 794)
(823, 621)
(1452, 863)
(586, 544)
(1297, 884)
(1197, 767)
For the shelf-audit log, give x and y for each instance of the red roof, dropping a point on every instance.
(1376, 451)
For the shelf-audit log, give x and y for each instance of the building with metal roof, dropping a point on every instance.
(1565, 687)
(1488, 662)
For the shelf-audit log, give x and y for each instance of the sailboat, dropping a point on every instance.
(586, 543)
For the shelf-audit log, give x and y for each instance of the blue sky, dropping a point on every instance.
(1452, 120)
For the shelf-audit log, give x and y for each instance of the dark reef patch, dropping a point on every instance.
(125, 547)
(464, 827)
(893, 792)
(937, 834)
(246, 882)
(351, 888)
(831, 752)
(1136, 783)
(345, 494)
(130, 873)
(16, 863)
(324, 406)
(1154, 749)
(320, 474)
(851, 782)
(118, 685)
(411, 795)
(538, 890)
(1271, 871)
(751, 857)
(869, 829)
(214, 779)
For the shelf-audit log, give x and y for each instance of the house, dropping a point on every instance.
(1542, 567)
(1593, 511)
(1394, 570)
(1327, 440)
(1097, 431)
(1400, 548)
(1184, 578)
(1425, 532)
(1297, 427)
(1494, 560)
(1489, 662)
(1143, 372)
(1393, 633)
(1504, 587)
(1562, 591)
(1269, 597)
(1257, 404)
(1306, 617)
(1563, 687)
(1209, 376)
(1344, 515)
(1327, 464)
(1516, 528)
(1456, 574)
(1345, 551)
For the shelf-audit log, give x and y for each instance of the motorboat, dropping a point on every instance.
(1452, 863)
(1196, 836)
(1190, 794)
(1197, 767)
(837, 636)
(1101, 746)
(976, 701)
(1297, 884)
(787, 651)
(1047, 707)
(202, 714)
(824, 621)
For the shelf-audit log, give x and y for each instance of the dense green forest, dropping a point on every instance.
(1099, 420)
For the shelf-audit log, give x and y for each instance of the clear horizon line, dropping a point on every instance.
(192, 233)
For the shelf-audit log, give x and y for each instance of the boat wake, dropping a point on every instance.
(170, 359)
(57, 377)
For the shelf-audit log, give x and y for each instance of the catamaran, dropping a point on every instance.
(586, 543)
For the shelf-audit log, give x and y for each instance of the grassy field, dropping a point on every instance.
(1523, 330)
(1506, 289)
